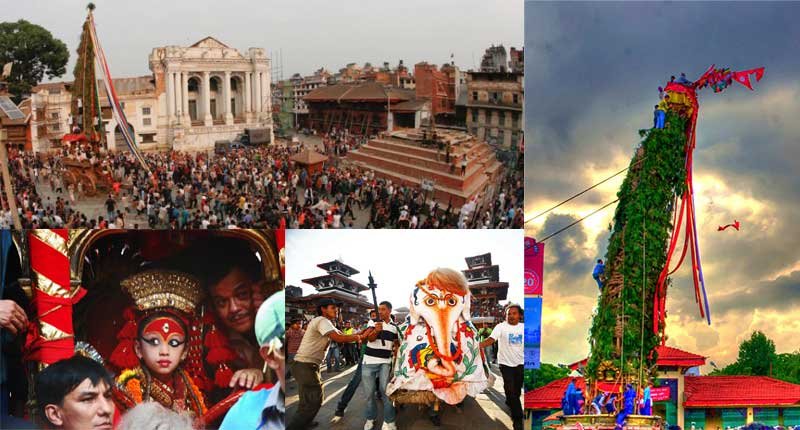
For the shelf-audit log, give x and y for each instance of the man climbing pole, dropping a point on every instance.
(597, 273)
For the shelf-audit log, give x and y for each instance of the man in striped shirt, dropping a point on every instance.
(381, 345)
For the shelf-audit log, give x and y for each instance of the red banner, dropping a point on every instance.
(534, 267)
(659, 394)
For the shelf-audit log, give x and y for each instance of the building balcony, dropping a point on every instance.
(494, 104)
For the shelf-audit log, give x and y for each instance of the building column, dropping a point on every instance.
(681, 397)
(257, 78)
(185, 98)
(226, 94)
(265, 94)
(247, 91)
(170, 97)
(207, 119)
(178, 97)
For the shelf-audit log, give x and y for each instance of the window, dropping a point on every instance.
(501, 137)
(514, 120)
(495, 97)
(502, 116)
(145, 111)
(55, 127)
(147, 121)
(54, 115)
(474, 115)
(148, 138)
(516, 99)
(475, 96)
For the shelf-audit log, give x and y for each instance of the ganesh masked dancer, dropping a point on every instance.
(440, 352)
(156, 350)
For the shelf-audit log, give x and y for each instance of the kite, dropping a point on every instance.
(734, 224)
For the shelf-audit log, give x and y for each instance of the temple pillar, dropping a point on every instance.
(247, 91)
(170, 96)
(185, 98)
(226, 94)
(207, 119)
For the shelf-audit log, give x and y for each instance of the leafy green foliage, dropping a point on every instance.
(35, 54)
(757, 357)
(637, 249)
(545, 374)
(84, 86)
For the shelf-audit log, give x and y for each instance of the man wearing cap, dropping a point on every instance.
(263, 408)
(319, 334)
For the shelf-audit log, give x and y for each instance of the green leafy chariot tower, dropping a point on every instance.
(622, 337)
(655, 200)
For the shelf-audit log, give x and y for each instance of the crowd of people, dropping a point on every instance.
(372, 346)
(254, 187)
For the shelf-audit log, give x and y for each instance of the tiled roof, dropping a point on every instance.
(124, 86)
(669, 356)
(739, 391)
(367, 91)
(700, 391)
(549, 396)
(309, 157)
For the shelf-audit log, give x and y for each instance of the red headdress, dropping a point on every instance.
(173, 295)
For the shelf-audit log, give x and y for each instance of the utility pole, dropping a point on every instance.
(12, 202)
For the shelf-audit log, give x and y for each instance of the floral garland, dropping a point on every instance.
(131, 380)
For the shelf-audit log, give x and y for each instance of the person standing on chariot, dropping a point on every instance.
(156, 346)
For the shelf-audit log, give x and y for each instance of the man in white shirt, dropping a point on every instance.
(383, 342)
(509, 336)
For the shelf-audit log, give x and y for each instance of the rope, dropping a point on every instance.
(644, 285)
(578, 221)
(584, 191)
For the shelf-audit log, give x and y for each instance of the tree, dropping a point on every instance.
(545, 374)
(757, 357)
(35, 54)
(757, 354)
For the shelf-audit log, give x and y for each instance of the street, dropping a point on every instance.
(487, 411)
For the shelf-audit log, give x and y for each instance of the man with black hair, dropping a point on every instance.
(75, 393)
(510, 356)
(319, 334)
(232, 275)
(383, 342)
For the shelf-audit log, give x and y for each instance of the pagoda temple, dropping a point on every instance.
(483, 279)
(338, 285)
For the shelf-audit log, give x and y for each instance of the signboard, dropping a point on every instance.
(659, 394)
(533, 332)
(534, 267)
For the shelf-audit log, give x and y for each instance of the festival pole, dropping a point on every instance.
(372, 285)
(12, 203)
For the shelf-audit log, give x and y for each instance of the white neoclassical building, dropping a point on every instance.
(196, 95)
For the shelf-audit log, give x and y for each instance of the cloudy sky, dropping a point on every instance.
(592, 72)
(310, 34)
(398, 259)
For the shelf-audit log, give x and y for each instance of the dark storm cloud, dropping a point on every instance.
(566, 246)
(782, 294)
(592, 72)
